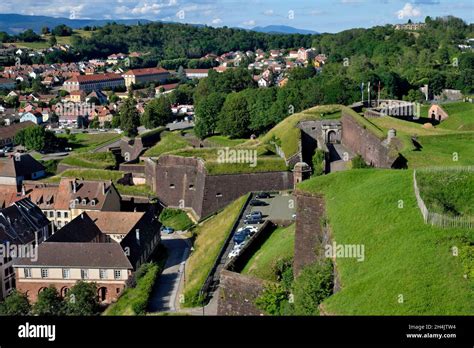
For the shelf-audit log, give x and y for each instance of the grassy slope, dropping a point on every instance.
(210, 236)
(169, 142)
(289, 134)
(175, 218)
(224, 141)
(461, 116)
(85, 142)
(100, 160)
(280, 245)
(404, 257)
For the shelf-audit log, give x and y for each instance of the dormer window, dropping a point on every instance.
(76, 201)
(84, 201)
(93, 203)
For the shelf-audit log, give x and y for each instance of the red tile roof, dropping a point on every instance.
(146, 71)
(95, 78)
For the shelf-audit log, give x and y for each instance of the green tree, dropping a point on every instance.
(82, 299)
(52, 41)
(207, 114)
(16, 304)
(272, 299)
(157, 113)
(129, 117)
(44, 30)
(35, 138)
(62, 30)
(312, 286)
(234, 116)
(49, 303)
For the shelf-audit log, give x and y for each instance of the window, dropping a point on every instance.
(117, 274)
(65, 214)
(66, 273)
(218, 194)
(191, 187)
(103, 274)
(51, 214)
(44, 273)
(84, 274)
(93, 203)
(84, 201)
(172, 186)
(58, 214)
(27, 272)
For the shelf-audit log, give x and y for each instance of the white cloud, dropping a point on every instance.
(408, 11)
(216, 21)
(249, 23)
(268, 12)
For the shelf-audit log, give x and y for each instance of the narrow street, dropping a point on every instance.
(165, 290)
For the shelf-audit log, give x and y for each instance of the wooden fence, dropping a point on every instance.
(442, 220)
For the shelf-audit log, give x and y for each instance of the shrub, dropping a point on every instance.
(318, 162)
(272, 299)
(313, 285)
(359, 163)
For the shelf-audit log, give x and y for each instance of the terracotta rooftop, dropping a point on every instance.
(115, 222)
(10, 131)
(19, 165)
(146, 71)
(95, 78)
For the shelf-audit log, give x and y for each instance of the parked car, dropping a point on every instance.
(254, 214)
(233, 254)
(240, 237)
(263, 195)
(252, 229)
(257, 203)
(166, 230)
(253, 221)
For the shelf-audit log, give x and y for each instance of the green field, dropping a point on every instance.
(403, 256)
(210, 237)
(461, 116)
(63, 40)
(170, 141)
(447, 192)
(224, 141)
(99, 160)
(279, 246)
(85, 142)
(175, 218)
(258, 161)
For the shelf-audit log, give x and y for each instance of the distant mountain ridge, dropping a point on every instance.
(282, 29)
(15, 23)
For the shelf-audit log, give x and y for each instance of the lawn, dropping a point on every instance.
(288, 134)
(442, 150)
(175, 218)
(279, 246)
(99, 160)
(84, 142)
(461, 116)
(251, 162)
(409, 267)
(170, 141)
(210, 237)
(224, 141)
(447, 192)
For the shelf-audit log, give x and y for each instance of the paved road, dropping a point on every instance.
(165, 290)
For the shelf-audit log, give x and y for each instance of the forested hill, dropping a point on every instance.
(172, 40)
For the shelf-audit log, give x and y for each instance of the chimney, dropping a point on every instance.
(23, 190)
(103, 188)
(137, 235)
(74, 186)
(82, 216)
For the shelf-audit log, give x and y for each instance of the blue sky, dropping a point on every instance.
(318, 15)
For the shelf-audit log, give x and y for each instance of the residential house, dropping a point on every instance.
(116, 58)
(22, 227)
(165, 89)
(101, 248)
(19, 167)
(32, 116)
(7, 83)
(89, 83)
(196, 73)
(140, 76)
(77, 96)
(8, 133)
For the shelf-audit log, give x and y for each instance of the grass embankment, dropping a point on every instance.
(85, 142)
(403, 256)
(289, 135)
(152, 132)
(461, 116)
(99, 160)
(175, 218)
(170, 141)
(447, 192)
(61, 40)
(210, 237)
(224, 141)
(255, 162)
(134, 300)
(279, 246)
